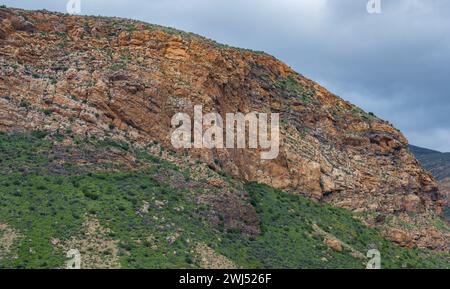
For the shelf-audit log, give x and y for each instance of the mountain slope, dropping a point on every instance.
(123, 80)
(62, 192)
(436, 162)
(439, 165)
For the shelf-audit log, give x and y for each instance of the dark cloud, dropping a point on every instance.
(395, 64)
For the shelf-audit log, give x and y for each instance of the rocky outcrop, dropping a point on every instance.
(444, 186)
(126, 79)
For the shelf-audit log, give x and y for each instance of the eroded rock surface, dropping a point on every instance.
(126, 79)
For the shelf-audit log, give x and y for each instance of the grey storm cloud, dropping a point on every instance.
(395, 64)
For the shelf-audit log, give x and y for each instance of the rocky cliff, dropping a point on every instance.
(439, 165)
(110, 77)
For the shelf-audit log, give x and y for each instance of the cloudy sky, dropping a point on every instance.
(395, 64)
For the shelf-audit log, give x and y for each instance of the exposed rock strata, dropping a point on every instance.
(126, 79)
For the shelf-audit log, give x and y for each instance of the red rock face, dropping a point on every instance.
(126, 79)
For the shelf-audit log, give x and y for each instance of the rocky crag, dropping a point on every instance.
(123, 79)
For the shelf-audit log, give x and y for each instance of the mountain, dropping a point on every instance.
(86, 105)
(418, 151)
(59, 194)
(436, 162)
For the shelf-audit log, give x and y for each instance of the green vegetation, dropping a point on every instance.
(47, 112)
(290, 239)
(291, 88)
(366, 116)
(131, 27)
(46, 194)
(24, 103)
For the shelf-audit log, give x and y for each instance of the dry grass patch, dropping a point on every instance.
(8, 237)
(97, 248)
(209, 259)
